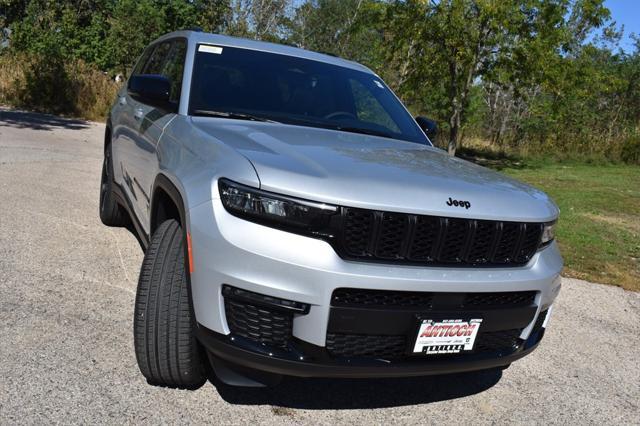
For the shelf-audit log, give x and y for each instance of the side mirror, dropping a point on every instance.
(428, 126)
(152, 90)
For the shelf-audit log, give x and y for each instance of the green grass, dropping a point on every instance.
(599, 227)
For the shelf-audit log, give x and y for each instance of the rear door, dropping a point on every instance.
(141, 163)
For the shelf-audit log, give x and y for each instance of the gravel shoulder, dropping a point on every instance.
(67, 287)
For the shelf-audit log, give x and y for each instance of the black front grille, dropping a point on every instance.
(395, 347)
(510, 299)
(363, 298)
(398, 237)
(366, 346)
(355, 297)
(261, 324)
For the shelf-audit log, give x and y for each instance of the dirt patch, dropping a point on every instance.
(628, 222)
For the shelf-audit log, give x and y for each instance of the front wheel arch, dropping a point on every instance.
(166, 203)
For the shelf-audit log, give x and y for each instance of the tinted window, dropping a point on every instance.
(297, 91)
(174, 67)
(144, 58)
(158, 58)
(167, 59)
(368, 108)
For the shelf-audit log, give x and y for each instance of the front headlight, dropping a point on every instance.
(279, 211)
(548, 233)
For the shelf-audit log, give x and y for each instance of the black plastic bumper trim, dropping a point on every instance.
(294, 364)
(395, 322)
(264, 300)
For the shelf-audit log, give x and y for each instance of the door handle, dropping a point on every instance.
(138, 114)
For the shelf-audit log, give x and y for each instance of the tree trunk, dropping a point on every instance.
(454, 133)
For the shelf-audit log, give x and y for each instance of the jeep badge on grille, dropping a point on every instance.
(458, 203)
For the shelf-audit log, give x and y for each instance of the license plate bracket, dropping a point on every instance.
(442, 336)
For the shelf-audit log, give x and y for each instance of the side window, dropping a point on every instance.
(157, 60)
(369, 109)
(173, 68)
(167, 59)
(144, 58)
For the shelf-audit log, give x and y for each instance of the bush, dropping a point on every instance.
(46, 87)
(631, 150)
(49, 84)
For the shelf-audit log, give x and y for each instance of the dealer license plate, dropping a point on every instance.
(450, 336)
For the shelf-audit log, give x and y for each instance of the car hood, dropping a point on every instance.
(372, 172)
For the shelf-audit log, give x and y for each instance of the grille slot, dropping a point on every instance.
(368, 346)
(455, 235)
(363, 298)
(425, 236)
(261, 324)
(399, 237)
(358, 229)
(530, 242)
(497, 341)
(505, 251)
(392, 235)
(353, 297)
(483, 239)
(494, 300)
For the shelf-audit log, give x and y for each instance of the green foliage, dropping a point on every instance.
(108, 33)
(46, 85)
(532, 76)
(631, 150)
(133, 25)
(346, 28)
(510, 45)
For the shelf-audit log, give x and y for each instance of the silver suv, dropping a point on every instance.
(296, 220)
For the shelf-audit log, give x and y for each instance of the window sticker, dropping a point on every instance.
(210, 49)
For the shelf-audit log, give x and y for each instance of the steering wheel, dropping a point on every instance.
(340, 114)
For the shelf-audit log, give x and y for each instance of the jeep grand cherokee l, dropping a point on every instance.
(297, 220)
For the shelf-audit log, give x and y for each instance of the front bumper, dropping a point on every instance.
(241, 352)
(232, 251)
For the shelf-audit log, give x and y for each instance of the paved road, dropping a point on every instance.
(66, 303)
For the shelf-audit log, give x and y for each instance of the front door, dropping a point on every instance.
(140, 161)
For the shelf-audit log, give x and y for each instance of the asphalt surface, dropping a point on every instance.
(67, 287)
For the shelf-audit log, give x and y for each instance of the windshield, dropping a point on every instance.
(248, 84)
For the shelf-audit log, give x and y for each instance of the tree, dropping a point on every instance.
(133, 25)
(459, 43)
(212, 14)
(257, 19)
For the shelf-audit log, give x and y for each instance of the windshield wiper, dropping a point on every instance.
(232, 115)
(364, 131)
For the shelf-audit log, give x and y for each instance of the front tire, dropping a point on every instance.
(167, 351)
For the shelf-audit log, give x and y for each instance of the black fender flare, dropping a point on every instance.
(163, 182)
